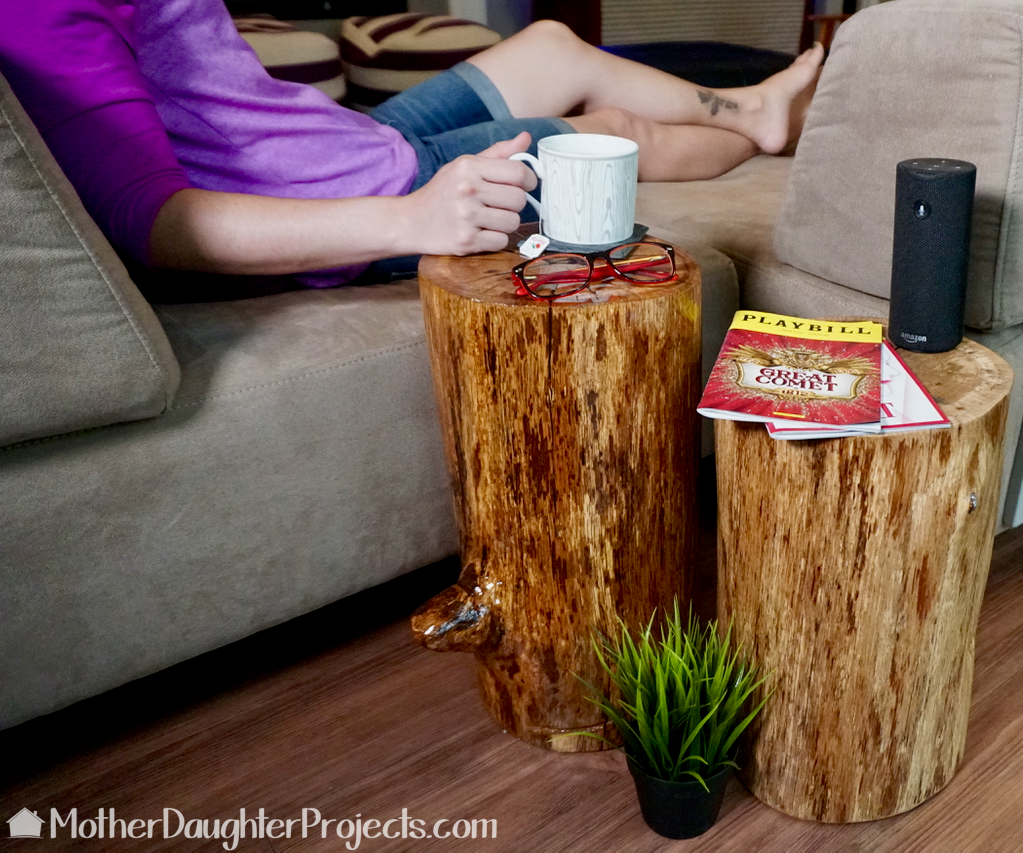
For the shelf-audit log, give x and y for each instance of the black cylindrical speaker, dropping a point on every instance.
(930, 253)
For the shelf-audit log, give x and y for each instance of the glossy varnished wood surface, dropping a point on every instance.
(572, 441)
(343, 712)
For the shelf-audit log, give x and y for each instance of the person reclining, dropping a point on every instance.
(190, 156)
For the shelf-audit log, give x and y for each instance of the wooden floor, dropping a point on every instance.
(342, 713)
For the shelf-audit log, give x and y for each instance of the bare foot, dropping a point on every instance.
(771, 113)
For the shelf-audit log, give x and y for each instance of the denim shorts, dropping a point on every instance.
(459, 111)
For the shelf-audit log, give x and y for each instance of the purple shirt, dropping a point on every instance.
(138, 99)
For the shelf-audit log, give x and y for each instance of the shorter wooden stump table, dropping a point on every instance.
(571, 437)
(854, 569)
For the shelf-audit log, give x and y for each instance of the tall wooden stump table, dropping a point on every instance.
(854, 569)
(572, 441)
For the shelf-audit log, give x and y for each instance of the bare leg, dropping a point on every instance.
(546, 70)
(672, 152)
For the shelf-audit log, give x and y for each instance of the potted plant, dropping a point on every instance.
(679, 699)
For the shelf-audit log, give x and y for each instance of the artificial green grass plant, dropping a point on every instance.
(679, 700)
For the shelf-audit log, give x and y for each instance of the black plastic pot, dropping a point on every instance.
(679, 809)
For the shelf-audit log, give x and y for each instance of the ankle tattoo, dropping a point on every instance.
(715, 102)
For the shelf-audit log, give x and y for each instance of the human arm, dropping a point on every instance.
(72, 65)
(470, 205)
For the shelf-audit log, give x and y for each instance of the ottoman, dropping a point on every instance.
(386, 55)
(288, 53)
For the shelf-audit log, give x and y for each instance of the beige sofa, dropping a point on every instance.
(176, 477)
(172, 479)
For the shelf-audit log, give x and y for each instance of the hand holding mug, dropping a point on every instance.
(588, 188)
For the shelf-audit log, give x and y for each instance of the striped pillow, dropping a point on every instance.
(288, 53)
(386, 55)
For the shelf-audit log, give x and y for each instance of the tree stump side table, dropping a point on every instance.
(572, 441)
(854, 569)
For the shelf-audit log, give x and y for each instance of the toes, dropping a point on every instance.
(812, 55)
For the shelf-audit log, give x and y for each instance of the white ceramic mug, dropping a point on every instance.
(588, 190)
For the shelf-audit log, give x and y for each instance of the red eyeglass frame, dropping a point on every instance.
(590, 258)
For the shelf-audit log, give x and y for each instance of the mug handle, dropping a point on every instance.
(532, 162)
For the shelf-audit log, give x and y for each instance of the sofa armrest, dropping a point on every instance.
(79, 345)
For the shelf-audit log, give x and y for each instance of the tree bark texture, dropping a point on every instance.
(572, 441)
(854, 569)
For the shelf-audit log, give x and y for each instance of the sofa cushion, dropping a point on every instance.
(912, 78)
(300, 461)
(386, 55)
(80, 346)
(735, 214)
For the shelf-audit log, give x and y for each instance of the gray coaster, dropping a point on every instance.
(557, 246)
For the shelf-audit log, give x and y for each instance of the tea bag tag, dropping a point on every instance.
(533, 246)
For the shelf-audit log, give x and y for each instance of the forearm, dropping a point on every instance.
(239, 234)
(470, 205)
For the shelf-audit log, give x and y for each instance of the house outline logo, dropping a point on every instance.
(26, 824)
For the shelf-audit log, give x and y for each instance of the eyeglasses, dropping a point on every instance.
(557, 275)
